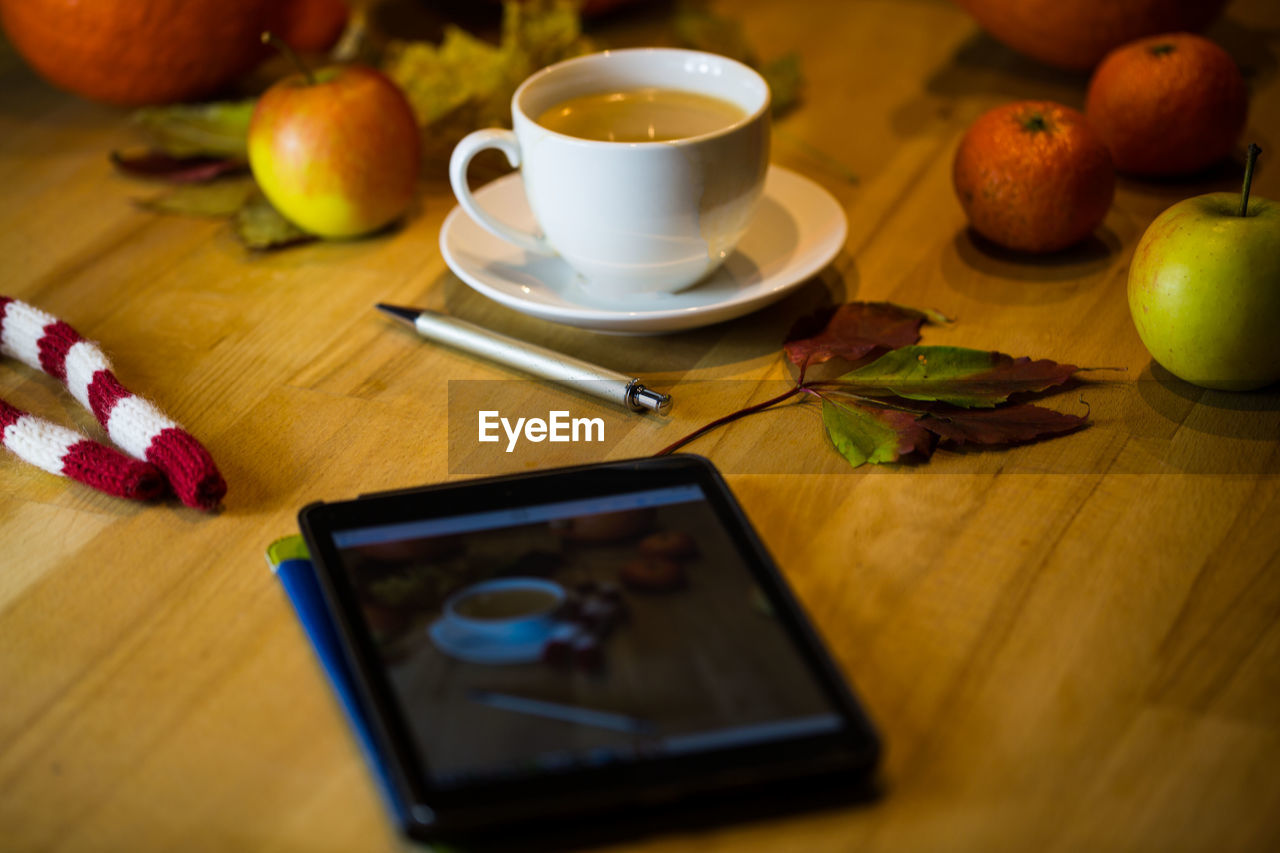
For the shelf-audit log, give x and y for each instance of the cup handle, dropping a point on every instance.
(471, 145)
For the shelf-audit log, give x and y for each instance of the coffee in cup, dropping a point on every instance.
(513, 608)
(642, 167)
(647, 114)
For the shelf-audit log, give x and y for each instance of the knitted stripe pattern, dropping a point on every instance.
(59, 450)
(161, 449)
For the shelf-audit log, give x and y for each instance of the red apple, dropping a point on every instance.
(337, 151)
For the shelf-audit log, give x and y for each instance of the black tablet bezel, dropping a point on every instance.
(433, 813)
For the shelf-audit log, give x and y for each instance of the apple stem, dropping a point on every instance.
(1252, 158)
(290, 54)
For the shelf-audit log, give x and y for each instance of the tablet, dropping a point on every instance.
(571, 644)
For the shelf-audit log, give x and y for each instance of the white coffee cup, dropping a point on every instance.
(631, 217)
(528, 620)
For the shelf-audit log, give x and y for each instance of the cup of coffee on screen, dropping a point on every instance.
(642, 167)
(516, 608)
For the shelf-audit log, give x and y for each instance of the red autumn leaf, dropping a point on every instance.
(911, 398)
(852, 330)
(177, 170)
(912, 438)
(1016, 375)
(956, 375)
(863, 433)
(1006, 425)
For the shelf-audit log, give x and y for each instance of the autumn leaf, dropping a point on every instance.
(220, 199)
(1005, 425)
(696, 26)
(912, 397)
(931, 315)
(853, 330)
(872, 434)
(956, 375)
(219, 129)
(463, 82)
(261, 226)
(785, 82)
(177, 170)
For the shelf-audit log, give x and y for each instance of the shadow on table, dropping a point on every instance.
(1253, 415)
(1173, 427)
(1248, 47)
(981, 270)
(983, 65)
(1223, 176)
(755, 335)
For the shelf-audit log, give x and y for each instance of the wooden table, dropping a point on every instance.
(1067, 646)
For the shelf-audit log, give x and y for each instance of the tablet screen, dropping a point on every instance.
(577, 633)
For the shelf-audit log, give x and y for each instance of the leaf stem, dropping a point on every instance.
(732, 416)
(290, 54)
(870, 401)
(1251, 158)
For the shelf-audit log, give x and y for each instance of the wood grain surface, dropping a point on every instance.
(1068, 646)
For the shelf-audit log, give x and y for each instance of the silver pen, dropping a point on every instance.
(535, 360)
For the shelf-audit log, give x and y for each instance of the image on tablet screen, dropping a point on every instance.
(575, 633)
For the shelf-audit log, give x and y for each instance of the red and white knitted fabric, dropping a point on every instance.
(161, 450)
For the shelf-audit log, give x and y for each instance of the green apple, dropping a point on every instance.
(337, 152)
(1204, 290)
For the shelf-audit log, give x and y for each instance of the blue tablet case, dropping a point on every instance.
(291, 564)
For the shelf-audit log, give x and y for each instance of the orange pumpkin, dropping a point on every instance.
(133, 52)
(312, 26)
(1076, 34)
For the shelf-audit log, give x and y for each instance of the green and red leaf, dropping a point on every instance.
(955, 375)
(218, 129)
(260, 226)
(873, 434)
(853, 330)
(218, 200)
(177, 170)
(911, 398)
(1006, 425)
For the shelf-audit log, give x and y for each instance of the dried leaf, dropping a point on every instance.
(465, 83)
(1005, 425)
(177, 170)
(219, 129)
(698, 27)
(931, 315)
(870, 434)
(541, 32)
(955, 375)
(260, 226)
(439, 80)
(785, 82)
(910, 398)
(220, 199)
(851, 331)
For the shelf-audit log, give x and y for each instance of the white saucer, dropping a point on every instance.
(796, 232)
(473, 647)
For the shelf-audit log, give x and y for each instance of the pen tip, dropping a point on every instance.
(408, 314)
